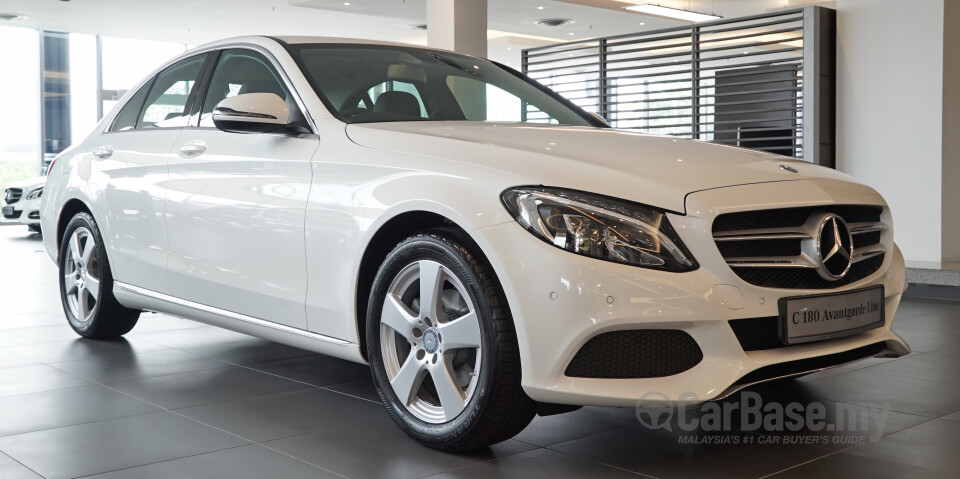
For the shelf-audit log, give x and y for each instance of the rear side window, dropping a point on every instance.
(239, 72)
(127, 118)
(168, 104)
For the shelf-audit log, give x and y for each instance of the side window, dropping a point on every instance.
(127, 118)
(395, 86)
(168, 104)
(239, 72)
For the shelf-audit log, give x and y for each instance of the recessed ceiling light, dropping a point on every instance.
(674, 13)
(642, 23)
(509, 48)
(11, 17)
(571, 33)
(346, 3)
(540, 7)
(554, 22)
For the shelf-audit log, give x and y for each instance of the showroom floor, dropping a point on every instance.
(179, 399)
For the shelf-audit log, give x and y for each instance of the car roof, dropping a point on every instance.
(300, 40)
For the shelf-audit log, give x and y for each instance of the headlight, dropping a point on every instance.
(37, 193)
(600, 227)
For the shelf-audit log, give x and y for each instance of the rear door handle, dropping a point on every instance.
(193, 148)
(103, 152)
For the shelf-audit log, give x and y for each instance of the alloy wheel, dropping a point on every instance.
(81, 279)
(430, 341)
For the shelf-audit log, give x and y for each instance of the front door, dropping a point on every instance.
(235, 205)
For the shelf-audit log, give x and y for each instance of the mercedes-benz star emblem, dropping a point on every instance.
(834, 247)
(789, 168)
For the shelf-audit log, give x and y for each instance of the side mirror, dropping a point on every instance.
(253, 113)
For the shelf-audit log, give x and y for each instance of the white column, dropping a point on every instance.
(458, 25)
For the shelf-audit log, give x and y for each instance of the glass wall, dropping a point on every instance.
(57, 92)
(126, 62)
(20, 102)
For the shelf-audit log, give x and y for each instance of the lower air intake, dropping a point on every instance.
(637, 353)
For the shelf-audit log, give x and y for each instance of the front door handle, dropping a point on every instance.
(103, 152)
(193, 148)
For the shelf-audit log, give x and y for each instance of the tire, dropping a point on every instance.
(483, 402)
(86, 283)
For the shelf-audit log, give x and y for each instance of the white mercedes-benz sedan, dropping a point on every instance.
(21, 202)
(490, 249)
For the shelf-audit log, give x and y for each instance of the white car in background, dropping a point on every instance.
(21, 202)
(489, 248)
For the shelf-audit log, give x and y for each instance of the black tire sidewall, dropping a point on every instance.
(432, 247)
(84, 220)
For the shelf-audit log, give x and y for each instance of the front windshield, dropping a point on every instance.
(374, 83)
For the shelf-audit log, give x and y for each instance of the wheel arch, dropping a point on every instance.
(388, 236)
(69, 210)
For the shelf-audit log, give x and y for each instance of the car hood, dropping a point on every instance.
(29, 184)
(655, 170)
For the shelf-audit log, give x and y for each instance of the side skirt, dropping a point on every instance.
(140, 298)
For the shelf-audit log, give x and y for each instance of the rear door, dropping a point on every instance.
(236, 203)
(133, 155)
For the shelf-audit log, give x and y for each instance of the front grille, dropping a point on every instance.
(12, 195)
(637, 353)
(777, 248)
(797, 278)
(757, 334)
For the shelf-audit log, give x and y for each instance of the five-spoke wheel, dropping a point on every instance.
(430, 341)
(82, 279)
(442, 345)
(86, 283)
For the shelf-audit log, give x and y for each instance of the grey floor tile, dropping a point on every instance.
(952, 417)
(662, 453)
(931, 445)
(78, 349)
(138, 366)
(896, 393)
(283, 415)
(245, 462)
(10, 359)
(204, 387)
(188, 338)
(38, 378)
(65, 407)
(852, 466)
(924, 341)
(316, 370)
(10, 469)
(361, 388)
(545, 431)
(151, 322)
(248, 351)
(915, 307)
(539, 463)
(935, 367)
(377, 448)
(10, 320)
(37, 334)
(115, 444)
(949, 350)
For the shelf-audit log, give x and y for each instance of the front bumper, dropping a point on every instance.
(25, 212)
(560, 300)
